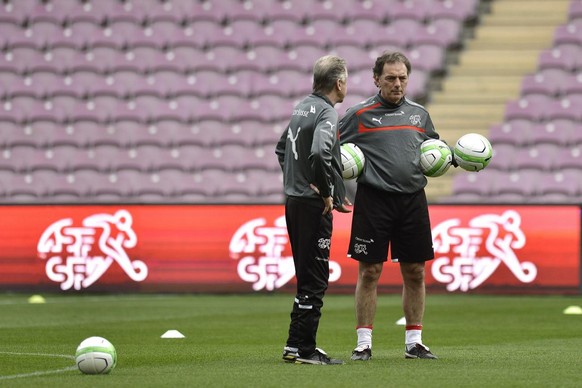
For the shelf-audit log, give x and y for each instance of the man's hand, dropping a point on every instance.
(342, 208)
(328, 202)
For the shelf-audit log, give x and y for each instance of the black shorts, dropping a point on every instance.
(382, 220)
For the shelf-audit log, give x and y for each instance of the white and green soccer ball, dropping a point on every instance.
(435, 157)
(96, 355)
(473, 152)
(352, 161)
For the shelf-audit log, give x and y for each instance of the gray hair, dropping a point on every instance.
(326, 71)
(390, 57)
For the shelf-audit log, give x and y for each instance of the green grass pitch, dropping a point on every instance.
(237, 340)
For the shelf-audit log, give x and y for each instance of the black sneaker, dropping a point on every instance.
(363, 353)
(419, 351)
(319, 357)
(289, 355)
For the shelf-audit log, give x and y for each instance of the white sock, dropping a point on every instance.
(364, 337)
(413, 335)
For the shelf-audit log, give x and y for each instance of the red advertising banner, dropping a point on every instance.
(244, 248)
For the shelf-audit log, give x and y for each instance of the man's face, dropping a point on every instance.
(393, 81)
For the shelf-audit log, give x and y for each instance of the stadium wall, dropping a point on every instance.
(245, 249)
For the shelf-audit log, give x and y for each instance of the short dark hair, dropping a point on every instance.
(326, 71)
(390, 57)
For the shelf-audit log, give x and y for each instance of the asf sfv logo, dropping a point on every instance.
(78, 255)
(259, 249)
(466, 256)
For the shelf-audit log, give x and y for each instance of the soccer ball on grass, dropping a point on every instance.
(96, 355)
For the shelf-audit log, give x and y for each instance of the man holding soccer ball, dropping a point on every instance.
(390, 206)
(309, 154)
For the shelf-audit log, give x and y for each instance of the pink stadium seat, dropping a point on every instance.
(85, 33)
(365, 11)
(563, 56)
(410, 9)
(392, 34)
(568, 34)
(45, 134)
(265, 58)
(12, 35)
(514, 132)
(283, 30)
(547, 81)
(304, 56)
(361, 83)
(531, 107)
(204, 33)
(445, 33)
(357, 57)
(17, 11)
(323, 32)
(539, 156)
(429, 58)
(573, 85)
(568, 107)
(575, 9)
(562, 185)
(195, 158)
(569, 157)
(90, 134)
(480, 185)
(459, 10)
(562, 132)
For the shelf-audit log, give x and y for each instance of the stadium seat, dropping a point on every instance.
(562, 56)
(513, 132)
(562, 132)
(563, 184)
(445, 33)
(573, 85)
(285, 82)
(302, 57)
(568, 34)
(532, 107)
(568, 107)
(17, 12)
(195, 158)
(392, 34)
(547, 81)
(521, 182)
(475, 186)
(89, 134)
(45, 133)
(205, 33)
(86, 33)
(429, 58)
(459, 10)
(27, 59)
(280, 32)
(46, 84)
(539, 156)
(14, 35)
(357, 57)
(360, 82)
(575, 9)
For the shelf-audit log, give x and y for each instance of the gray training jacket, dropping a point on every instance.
(390, 136)
(309, 151)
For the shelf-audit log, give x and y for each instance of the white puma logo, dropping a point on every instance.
(378, 120)
(293, 139)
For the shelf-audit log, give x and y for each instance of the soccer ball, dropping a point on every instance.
(96, 355)
(473, 152)
(435, 157)
(352, 161)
